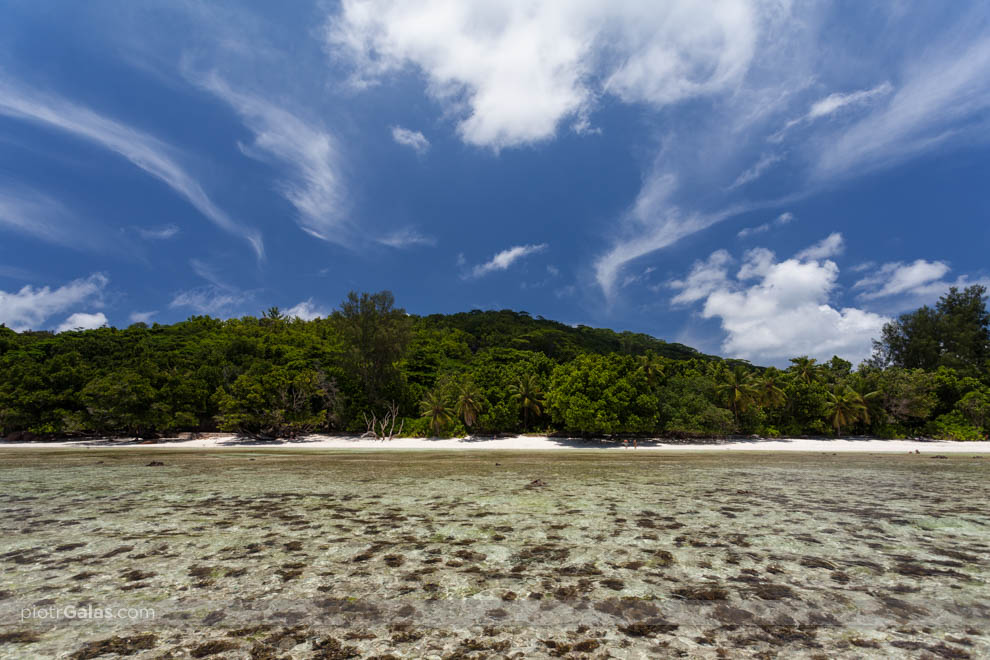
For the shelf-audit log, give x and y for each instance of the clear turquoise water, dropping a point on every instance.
(423, 554)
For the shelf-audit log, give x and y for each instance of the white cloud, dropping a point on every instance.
(210, 300)
(315, 188)
(705, 277)
(830, 246)
(406, 238)
(784, 313)
(412, 139)
(782, 219)
(158, 233)
(307, 311)
(945, 85)
(142, 317)
(750, 231)
(513, 70)
(506, 258)
(45, 218)
(653, 223)
(835, 102)
(757, 170)
(31, 307)
(899, 278)
(83, 321)
(144, 151)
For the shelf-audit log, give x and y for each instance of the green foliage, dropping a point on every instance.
(436, 407)
(277, 403)
(480, 372)
(602, 395)
(955, 426)
(955, 334)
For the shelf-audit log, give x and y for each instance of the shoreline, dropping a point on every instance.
(518, 443)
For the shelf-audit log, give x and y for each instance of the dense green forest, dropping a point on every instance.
(484, 372)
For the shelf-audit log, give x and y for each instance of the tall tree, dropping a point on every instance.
(377, 334)
(768, 389)
(737, 390)
(846, 406)
(470, 402)
(956, 333)
(805, 369)
(527, 394)
(435, 408)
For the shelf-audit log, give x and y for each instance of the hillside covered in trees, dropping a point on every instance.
(484, 372)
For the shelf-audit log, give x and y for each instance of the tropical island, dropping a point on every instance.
(372, 368)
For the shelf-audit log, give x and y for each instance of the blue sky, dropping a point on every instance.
(755, 179)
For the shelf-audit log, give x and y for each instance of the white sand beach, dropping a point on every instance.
(520, 443)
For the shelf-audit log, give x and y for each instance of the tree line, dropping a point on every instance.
(484, 372)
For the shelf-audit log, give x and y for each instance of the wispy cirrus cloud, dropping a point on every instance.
(311, 154)
(30, 307)
(217, 298)
(40, 216)
(833, 103)
(941, 92)
(780, 220)
(162, 233)
(765, 162)
(504, 259)
(406, 238)
(142, 150)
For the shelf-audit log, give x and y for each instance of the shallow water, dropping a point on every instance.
(428, 554)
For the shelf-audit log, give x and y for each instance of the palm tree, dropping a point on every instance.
(469, 402)
(846, 406)
(805, 369)
(768, 389)
(434, 407)
(526, 392)
(737, 390)
(652, 368)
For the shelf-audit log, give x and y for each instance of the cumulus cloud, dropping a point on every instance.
(315, 187)
(782, 219)
(705, 277)
(307, 310)
(505, 258)
(144, 151)
(412, 139)
(406, 238)
(773, 310)
(83, 321)
(830, 246)
(30, 307)
(513, 70)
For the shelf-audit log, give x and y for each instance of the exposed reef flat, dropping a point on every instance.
(272, 554)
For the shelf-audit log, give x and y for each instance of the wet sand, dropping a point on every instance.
(267, 553)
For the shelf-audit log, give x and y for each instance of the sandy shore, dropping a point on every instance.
(524, 443)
